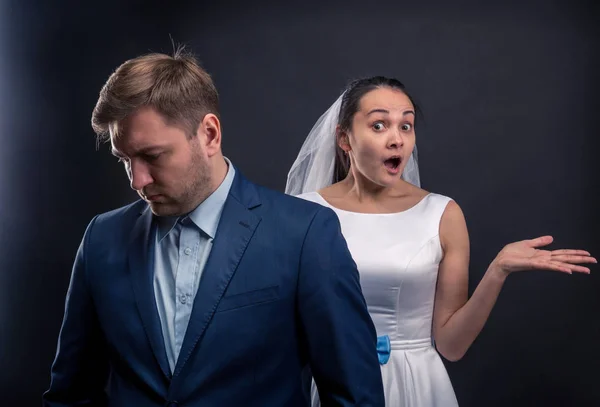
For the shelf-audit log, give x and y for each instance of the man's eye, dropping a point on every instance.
(152, 157)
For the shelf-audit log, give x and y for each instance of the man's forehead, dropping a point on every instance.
(115, 130)
(116, 139)
(121, 139)
(122, 146)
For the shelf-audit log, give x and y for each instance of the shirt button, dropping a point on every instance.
(187, 251)
(183, 298)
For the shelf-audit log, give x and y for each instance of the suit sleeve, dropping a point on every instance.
(339, 332)
(80, 369)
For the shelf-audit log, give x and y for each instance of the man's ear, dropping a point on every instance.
(209, 133)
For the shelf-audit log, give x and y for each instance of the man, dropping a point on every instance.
(210, 290)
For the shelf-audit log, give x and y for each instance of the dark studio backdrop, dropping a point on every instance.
(509, 92)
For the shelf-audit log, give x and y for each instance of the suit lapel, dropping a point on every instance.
(236, 228)
(141, 266)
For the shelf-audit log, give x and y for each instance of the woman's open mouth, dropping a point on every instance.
(392, 164)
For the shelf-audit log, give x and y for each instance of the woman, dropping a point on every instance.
(411, 246)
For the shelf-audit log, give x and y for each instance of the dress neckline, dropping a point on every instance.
(323, 200)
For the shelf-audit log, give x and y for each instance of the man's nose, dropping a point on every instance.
(139, 176)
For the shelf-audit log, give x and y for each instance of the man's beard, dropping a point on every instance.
(195, 188)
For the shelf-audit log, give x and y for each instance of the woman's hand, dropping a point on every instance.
(525, 255)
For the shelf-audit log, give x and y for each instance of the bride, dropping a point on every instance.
(411, 246)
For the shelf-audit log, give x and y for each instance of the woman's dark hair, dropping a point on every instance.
(350, 105)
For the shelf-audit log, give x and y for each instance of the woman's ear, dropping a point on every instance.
(342, 139)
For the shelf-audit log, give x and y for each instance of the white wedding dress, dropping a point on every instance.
(398, 255)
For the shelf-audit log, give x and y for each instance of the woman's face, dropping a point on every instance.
(382, 136)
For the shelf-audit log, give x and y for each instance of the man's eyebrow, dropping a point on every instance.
(149, 150)
(144, 150)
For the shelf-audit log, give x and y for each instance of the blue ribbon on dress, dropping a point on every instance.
(384, 349)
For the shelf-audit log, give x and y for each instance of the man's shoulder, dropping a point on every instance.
(132, 211)
(113, 228)
(287, 204)
(118, 220)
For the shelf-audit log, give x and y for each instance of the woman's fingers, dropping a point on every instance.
(572, 258)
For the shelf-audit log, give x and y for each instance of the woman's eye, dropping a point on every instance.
(407, 127)
(378, 126)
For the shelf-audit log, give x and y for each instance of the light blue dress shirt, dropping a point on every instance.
(182, 247)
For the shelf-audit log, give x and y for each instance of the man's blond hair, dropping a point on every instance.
(175, 86)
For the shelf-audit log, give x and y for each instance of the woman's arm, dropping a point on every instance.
(457, 320)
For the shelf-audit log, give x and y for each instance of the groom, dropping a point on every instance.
(210, 290)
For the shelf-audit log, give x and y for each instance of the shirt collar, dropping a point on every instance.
(206, 215)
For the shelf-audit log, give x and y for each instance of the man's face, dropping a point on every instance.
(168, 169)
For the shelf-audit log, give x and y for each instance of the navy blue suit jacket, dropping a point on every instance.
(280, 291)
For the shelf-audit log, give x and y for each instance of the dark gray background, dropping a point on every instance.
(509, 92)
